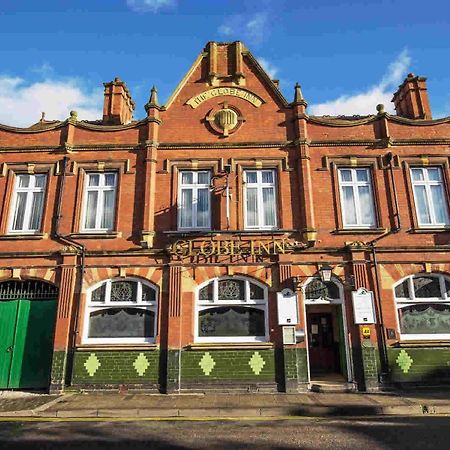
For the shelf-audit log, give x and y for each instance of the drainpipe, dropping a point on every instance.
(80, 247)
(395, 229)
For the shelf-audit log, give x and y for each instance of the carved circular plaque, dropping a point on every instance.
(224, 119)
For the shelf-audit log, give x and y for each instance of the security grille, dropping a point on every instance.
(14, 290)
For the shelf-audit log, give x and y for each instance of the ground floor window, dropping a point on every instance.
(231, 309)
(121, 311)
(423, 306)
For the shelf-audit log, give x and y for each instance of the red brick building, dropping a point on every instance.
(181, 251)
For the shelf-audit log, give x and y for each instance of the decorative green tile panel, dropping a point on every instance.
(207, 363)
(404, 361)
(229, 366)
(116, 367)
(256, 363)
(92, 364)
(425, 366)
(141, 364)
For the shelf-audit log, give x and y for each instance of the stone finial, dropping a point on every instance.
(42, 116)
(153, 101)
(298, 96)
(73, 116)
(380, 108)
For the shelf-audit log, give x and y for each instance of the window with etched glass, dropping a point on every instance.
(430, 196)
(232, 310)
(357, 202)
(317, 289)
(121, 311)
(194, 205)
(260, 199)
(423, 306)
(28, 203)
(100, 201)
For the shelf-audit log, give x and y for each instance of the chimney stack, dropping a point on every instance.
(118, 106)
(411, 98)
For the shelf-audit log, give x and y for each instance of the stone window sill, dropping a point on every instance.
(87, 235)
(235, 232)
(21, 237)
(230, 346)
(413, 344)
(359, 231)
(429, 230)
(116, 347)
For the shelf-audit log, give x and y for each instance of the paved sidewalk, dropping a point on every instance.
(113, 404)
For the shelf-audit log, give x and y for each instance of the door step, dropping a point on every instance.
(331, 386)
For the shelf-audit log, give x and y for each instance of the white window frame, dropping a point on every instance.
(194, 187)
(107, 304)
(259, 185)
(427, 183)
(101, 188)
(201, 305)
(412, 300)
(30, 190)
(355, 184)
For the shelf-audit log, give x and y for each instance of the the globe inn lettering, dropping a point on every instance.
(230, 247)
(217, 92)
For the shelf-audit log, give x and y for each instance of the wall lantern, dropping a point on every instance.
(325, 272)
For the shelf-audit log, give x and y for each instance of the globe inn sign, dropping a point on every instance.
(233, 247)
(218, 92)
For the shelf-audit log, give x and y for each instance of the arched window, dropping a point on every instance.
(232, 309)
(121, 311)
(316, 289)
(423, 306)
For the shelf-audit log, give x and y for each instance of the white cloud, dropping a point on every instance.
(365, 102)
(249, 28)
(22, 102)
(149, 5)
(257, 27)
(268, 67)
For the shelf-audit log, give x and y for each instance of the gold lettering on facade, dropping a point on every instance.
(234, 92)
(232, 248)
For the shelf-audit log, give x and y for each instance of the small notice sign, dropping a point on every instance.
(363, 307)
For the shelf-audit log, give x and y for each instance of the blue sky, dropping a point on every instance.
(347, 55)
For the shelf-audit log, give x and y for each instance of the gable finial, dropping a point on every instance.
(153, 101)
(298, 96)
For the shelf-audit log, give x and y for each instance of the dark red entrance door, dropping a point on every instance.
(322, 349)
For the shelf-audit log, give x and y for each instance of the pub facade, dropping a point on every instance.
(228, 241)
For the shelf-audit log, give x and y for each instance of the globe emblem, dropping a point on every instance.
(226, 119)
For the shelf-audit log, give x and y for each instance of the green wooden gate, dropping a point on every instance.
(27, 323)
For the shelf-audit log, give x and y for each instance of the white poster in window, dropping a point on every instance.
(363, 307)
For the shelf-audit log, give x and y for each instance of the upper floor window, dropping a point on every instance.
(28, 203)
(260, 199)
(357, 202)
(194, 207)
(99, 202)
(232, 309)
(121, 311)
(423, 305)
(430, 197)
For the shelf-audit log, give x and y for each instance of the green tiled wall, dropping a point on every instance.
(419, 365)
(116, 367)
(228, 365)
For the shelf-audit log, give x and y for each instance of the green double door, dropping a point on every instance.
(26, 343)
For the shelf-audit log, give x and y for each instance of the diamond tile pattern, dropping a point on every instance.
(256, 363)
(141, 364)
(207, 363)
(404, 361)
(92, 364)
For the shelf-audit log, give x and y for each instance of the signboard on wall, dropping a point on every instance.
(287, 307)
(363, 307)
